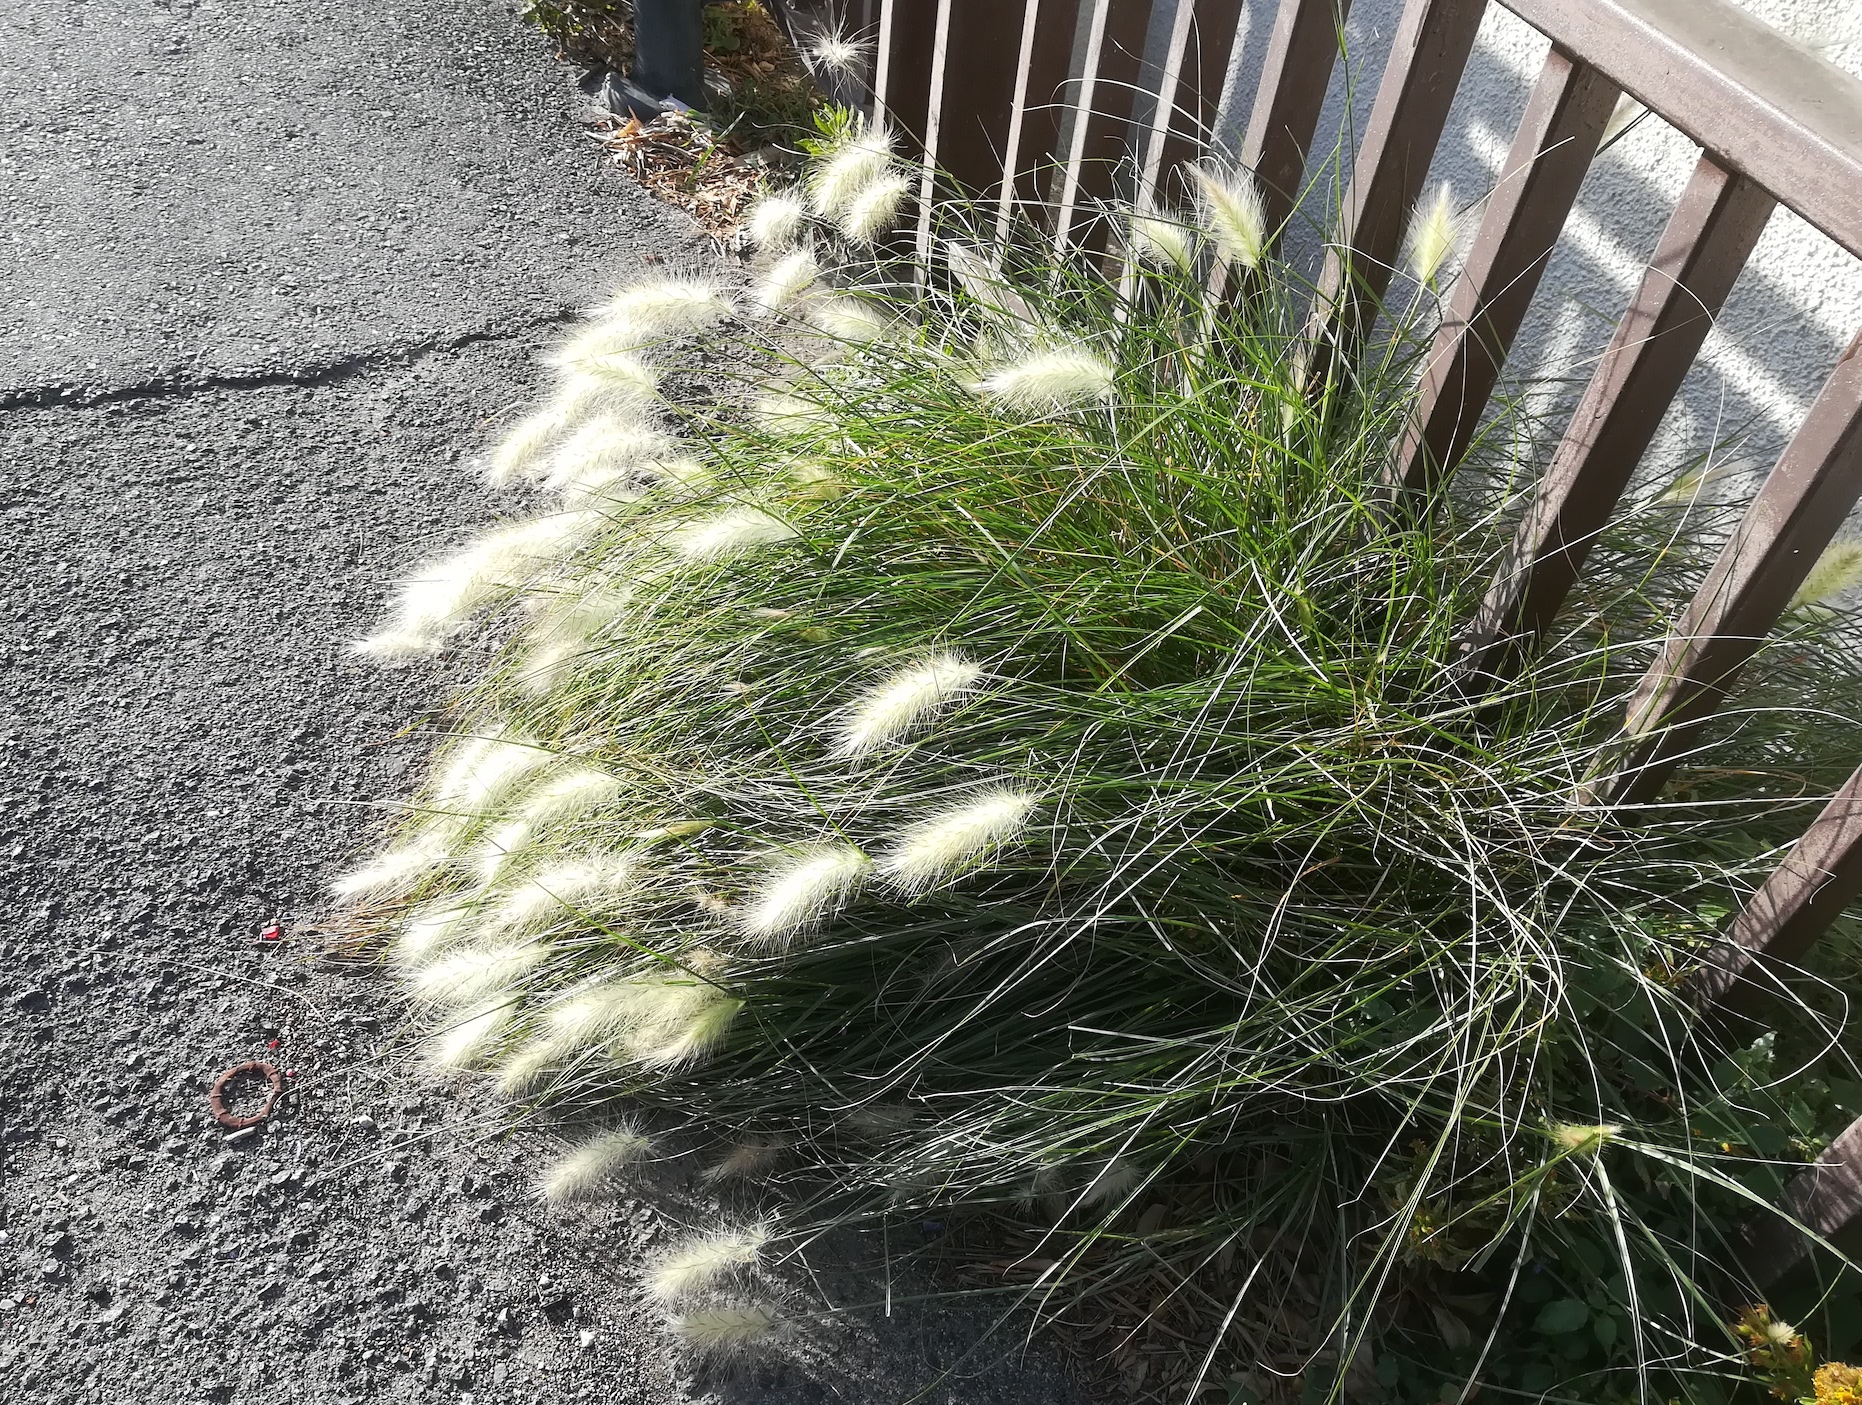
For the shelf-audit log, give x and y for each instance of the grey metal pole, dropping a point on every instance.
(668, 54)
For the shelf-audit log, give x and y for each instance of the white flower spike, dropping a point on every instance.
(850, 169)
(666, 307)
(958, 839)
(875, 209)
(1837, 572)
(442, 597)
(850, 320)
(1161, 240)
(565, 889)
(589, 1170)
(1431, 240)
(704, 1261)
(786, 282)
(734, 532)
(1230, 206)
(776, 221)
(473, 977)
(804, 890)
(726, 1331)
(394, 872)
(834, 50)
(1049, 381)
(906, 701)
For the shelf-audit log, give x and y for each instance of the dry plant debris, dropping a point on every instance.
(684, 163)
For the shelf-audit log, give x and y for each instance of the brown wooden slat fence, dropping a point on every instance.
(1039, 102)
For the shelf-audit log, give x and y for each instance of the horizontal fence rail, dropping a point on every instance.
(1063, 108)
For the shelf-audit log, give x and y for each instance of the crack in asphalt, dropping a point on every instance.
(170, 386)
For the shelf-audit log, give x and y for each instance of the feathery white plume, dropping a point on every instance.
(874, 208)
(471, 977)
(462, 761)
(745, 1160)
(1584, 1138)
(575, 885)
(1429, 245)
(394, 872)
(487, 770)
(523, 445)
(569, 797)
(606, 441)
(706, 1023)
(432, 929)
(1157, 238)
(733, 532)
(666, 1019)
(776, 221)
(804, 889)
(782, 413)
(1837, 572)
(818, 483)
(833, 49)
(597, 1014)
(849, 169)
(787, 280)
(589, 1170)
(704, 1261)
(904, 701)
(1690, 485)
(466, 1041)
(570, 629)
(957, 838)
(444, 595)
(583, 395)
(625, 381)
(1230, 205)
(982, 282)
(666, 307)
(498, 846)
(531, 1068)
(725, 1331)
(1050, 380)
(1113, 1182)
(849, 319)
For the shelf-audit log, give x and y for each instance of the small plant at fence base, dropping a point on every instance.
(1020, 773)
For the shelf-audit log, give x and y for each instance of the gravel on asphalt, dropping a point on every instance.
(271, 270)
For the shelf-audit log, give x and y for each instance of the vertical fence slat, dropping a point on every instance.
(1707, 240)
(1557, 137)
(1166, 82)
(1034, 126)
(1294, 78)
(1794, 516)
(1431, 49)
(1820, 877)
(1199, 92)
(978, 99)
(1102, 129)
(902, 73)
(1827, 1197)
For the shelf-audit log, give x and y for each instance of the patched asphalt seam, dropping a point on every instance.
(73, 395)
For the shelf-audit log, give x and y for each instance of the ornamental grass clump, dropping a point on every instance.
(1032, 779)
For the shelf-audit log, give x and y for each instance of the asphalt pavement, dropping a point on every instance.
(270, 273)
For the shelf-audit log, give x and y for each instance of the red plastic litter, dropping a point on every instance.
(271, 1043)
(272, 933)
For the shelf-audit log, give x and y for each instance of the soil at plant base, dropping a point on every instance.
(270, 270)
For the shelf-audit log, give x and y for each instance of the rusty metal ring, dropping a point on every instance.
(217, 1101)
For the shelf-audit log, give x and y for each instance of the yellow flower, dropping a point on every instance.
(1838, 1384)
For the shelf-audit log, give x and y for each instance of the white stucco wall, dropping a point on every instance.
(1795, 308)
